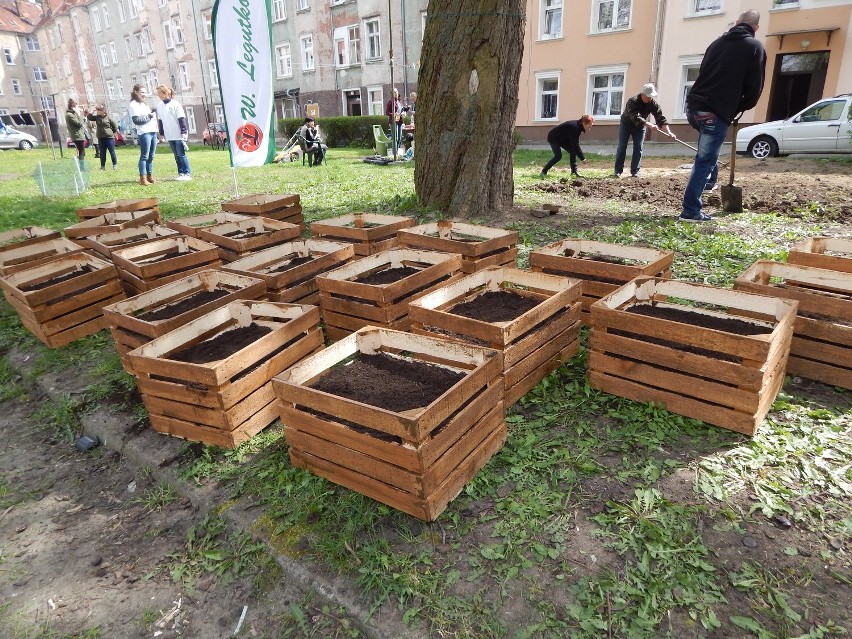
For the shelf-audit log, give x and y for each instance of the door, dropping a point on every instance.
(844, 131)
(816, 129)
(798, 80)
(352, 102)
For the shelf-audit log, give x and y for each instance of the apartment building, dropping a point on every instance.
(23, 75)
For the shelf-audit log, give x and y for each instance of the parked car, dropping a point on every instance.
(823, 127)
(119, 141)
(11, 138)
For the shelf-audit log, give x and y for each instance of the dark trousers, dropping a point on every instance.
(107, 144)
(557, 155)
(81, 149)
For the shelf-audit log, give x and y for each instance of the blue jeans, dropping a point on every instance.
(147, 148)
(705, 169)
(625, 132)
(107, 145)
(179, 149)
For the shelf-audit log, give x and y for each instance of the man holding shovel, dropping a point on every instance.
(729, 82)
(634, 121)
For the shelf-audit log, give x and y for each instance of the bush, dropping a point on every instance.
(339, 131)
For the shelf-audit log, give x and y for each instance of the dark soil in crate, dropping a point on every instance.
(186, 304)
(388, 276)
(222, 345)
(725, 324)
(243, 235)
(495, 306)
(58, 279)
(162, 258)
(388, 382)
(600, 257)
(296, 261)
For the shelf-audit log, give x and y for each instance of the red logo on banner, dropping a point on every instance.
(248, 137)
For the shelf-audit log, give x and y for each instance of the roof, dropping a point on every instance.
(19, 17)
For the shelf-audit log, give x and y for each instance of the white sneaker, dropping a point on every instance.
(183, 177)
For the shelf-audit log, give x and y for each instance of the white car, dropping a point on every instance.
(13, 139)
(823, 127)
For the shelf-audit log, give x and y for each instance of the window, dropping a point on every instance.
(183, 76)
(145, 82)
(16, 86)
(110, 89)
(146, 40)
(307, 42)
(161, 3)
(104, 55)
(827, 111)
(66, 65)
(177, 31)
(374, 43)
(90, 92)
(304, 5)
(705, 7)
(7, 55)
(95, 15)
(75, 23)
(190, 119)
(113, 52)
(47, 103)
(31, 42)
(547, 95)
(3, 111)
(51, 38)
(283, 60)
(214, 77)
(154, 79)
(279, 12)
(140, 46)
(220, 113)
(376, 101)
(784, 3)
(167, 35)
(347, 46)
(208, 26)
(39, 74)
(606, 92)
(119, 86)
(105, 16)
(59, 33)
(128, 47)
(134, 10)
(551, 19)
(122, 13)
(84, 60)
(688, 73)
(611, 15)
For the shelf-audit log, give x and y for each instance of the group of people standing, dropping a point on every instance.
(166, 123)
(729, 82)
(396, 110)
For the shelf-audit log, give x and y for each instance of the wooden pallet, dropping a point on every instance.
(119, 206)
(190, 225)
(16, 238)
(822, 335)
(723, 378)
(227, 401)
(600, 277)
(416, 461)
(142, 267)
(831, 253)
(105, 243)
(348, 305)
(239, 239)
(369, 233)
(130, 329)
(298, 284)
(29, 255)
(284, 207)
(111, 223)
(61, 313)
(479, 246)
(530, 346)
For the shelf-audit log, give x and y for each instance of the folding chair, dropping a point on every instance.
(383, 143)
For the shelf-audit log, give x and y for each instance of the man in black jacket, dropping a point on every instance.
(634, 120)
(567, 136)
(729, 82)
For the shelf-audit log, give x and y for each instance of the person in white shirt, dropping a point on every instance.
(146, 130)
(173, 128)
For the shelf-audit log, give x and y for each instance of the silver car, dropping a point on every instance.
(13, 139)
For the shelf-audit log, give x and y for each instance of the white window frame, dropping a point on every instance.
(113, 52)
(303, 5)
(616, 5)
(75, 23)
(279, 11)
(8, 57)
(122, 13)
(145, 82)
(162, 3)
(190, 119)
(698, 8)
(32, 43)
(146, 40)
(133, 8)
(84, 60)
(168, 40)
(105, 15)
(110, 90)
(306, 46)
(119, 87)
(373, 39)
(154, 79)
(540, 78)
(784, 4)
(183, 76)
(104, 55)
(95, 19)
(207, 18)
(686, 63)
(591, 73)
(140, 45)
(90, 92)
(347, 45)
(39, 74)
(549, 7)
(177, 30)
(211, 69)
(376, 100)
(128, 47)
(219, 110)
(16, 86)
(283, 60)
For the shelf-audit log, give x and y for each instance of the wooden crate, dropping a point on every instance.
(29, 255)
(369, 233)
(297, 284)
(130, 329)
(532, 345)
(721, 377)
(105, 243)
(239, 239)
(831, 253)
(190, 225)
(111, 223)
(146, 266)
(14, 239)
(822, 335)
(600, 276)
(348, 305)
(416, 461)
(284, 207)
(119, 206)
(62, 312)
(479, 246)
(224, 402)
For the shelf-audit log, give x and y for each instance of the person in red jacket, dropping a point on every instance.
(567, 136)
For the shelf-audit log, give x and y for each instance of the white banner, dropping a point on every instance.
(242, 41)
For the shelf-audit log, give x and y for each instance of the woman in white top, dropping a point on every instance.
(146, 131)
(173, 128)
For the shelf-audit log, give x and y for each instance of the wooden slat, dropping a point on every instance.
(438, 236)
(30, 255)
(525, 385)
(812, 252)
(261, 203)
(111, 223)
(215, 436)
(823, 372)
(16, 238)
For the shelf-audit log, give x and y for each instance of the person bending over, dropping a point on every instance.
(567, 136)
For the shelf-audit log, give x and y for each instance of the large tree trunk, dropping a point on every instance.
(467, 101)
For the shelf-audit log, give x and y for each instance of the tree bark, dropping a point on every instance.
(466, 106)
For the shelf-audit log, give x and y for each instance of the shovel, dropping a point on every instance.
(688, 146)
(732, 196)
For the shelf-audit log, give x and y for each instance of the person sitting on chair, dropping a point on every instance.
(314, 145)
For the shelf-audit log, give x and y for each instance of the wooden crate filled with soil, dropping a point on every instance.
(239, 239)
(105, 243)
(211, 380)
(479, 246)
(369, 233)
(376, 290)
(62, 300)
(146, 266)
(16, 238)
(190, 225)
(119, 206)
(531, 319)
(111, 223)
(407, 430)
(290, 270)
(603, 267)
(703, 352)
(831, 253)
(29, 255)
(822, 335)
(283, 207)
(138, 320)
